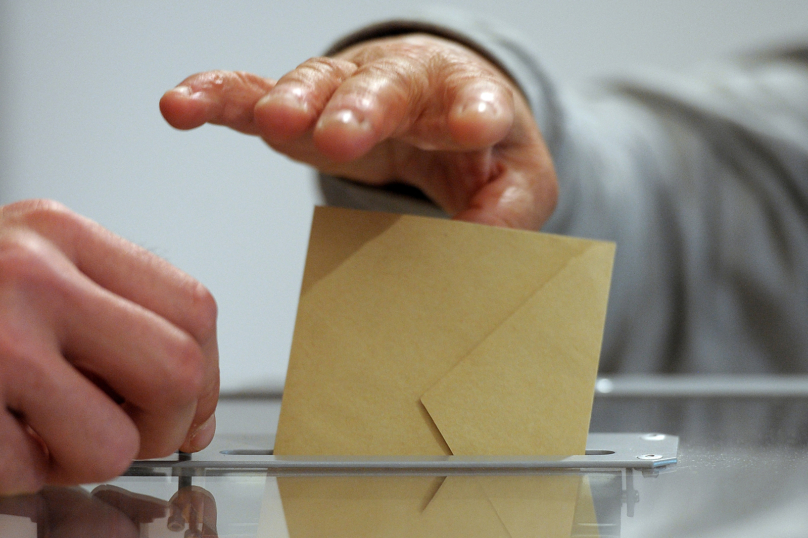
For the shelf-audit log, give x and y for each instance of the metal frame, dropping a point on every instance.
(702, 386)
(643, 451)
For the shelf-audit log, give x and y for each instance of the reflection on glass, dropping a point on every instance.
(113, 511)
(547, 506)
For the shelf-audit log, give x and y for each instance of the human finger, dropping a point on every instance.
(155, 367)
(218, 97)
(85, 437)
(23, 463)
(420, 89)
(152, 368)
(68, 430)
(290, 109)
(468, 104)
(137, 276)
(521, 195)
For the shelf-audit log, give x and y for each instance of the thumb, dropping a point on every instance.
(522, 196)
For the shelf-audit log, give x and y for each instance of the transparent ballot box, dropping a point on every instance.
(732, 461)
(234, 489)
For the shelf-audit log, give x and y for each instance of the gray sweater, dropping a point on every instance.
(701, 180)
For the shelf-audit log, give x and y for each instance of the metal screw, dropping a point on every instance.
(653, 437)
(651, 457)
(604, 385)
(176, 521)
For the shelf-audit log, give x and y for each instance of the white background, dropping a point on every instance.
(79, 87)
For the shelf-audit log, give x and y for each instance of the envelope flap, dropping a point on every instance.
(528, 387)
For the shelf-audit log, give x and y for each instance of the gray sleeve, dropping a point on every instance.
(702, 181)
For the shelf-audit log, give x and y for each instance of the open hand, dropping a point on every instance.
(416, 109)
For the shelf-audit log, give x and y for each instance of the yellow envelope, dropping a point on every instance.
(418, 336)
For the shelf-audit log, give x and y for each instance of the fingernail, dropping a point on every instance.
(184, 90)
(345, 117)
(482, 103)
(203, 434)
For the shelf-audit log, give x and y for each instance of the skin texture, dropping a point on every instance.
(416, 109)
(107, 352)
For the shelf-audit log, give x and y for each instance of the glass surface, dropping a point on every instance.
(220, 505)
(251, 504)
(742, 471)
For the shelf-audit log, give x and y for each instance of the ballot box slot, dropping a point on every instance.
(648, 452)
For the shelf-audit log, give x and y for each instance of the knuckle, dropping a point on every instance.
(24, 261)
(399, 82)
(404, 73)
(209, 80)
(241, 89)
(427, 67)
(38, 211)
(401, 71)
(47, 217)
(459, 72)
(319, 68)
